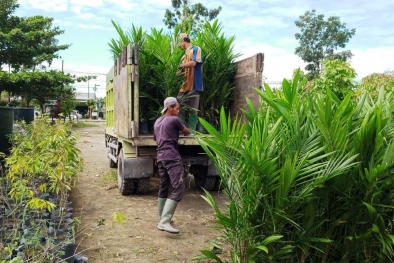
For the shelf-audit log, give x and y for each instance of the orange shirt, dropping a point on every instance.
(192, 79)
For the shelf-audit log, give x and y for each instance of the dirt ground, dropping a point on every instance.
(95, 200)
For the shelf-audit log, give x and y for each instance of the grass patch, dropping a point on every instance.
(109, 180)
(82, 124)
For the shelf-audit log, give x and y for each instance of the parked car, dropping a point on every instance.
(77, 114)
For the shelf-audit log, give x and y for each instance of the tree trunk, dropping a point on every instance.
(325, 255)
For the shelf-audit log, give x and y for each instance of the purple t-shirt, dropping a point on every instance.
(166, 135)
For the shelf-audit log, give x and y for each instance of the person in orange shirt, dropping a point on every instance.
(191, 68)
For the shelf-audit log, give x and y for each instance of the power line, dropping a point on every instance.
(82, 72)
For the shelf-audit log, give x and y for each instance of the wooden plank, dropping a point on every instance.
(136, 53)
(124, 56)
(249, 75)
(122, 103)
(129, 54)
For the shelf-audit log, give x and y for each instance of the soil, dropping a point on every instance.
(102, 239)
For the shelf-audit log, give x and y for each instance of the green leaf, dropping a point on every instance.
(207, 255)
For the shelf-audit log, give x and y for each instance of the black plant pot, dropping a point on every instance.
(64, 249)
(201, 128)
(151, 124)
(143, 129)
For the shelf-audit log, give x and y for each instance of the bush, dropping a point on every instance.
(42, 168)
(308, 176)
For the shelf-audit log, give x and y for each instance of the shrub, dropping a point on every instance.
(308, 176)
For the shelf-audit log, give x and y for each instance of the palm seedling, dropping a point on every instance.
(308, 177)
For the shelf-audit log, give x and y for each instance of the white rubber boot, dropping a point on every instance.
(161, 202)
(165, 220)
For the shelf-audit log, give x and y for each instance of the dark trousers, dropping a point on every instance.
(189, 105)
(171, 172)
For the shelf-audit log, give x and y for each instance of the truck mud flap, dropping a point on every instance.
(138, 168)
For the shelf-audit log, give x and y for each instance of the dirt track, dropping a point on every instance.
(95, 200)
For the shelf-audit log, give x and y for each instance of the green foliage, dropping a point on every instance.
(27, 41)
(337, 76)
(44, 158)
(68, 102)
(91, 103)
(118, 217)
(85, 78)
(188, 17)
(159, 60)
(308, 177)
(39, 85)
(319, 39)
(219, 69)
(134, 35)
(374, 82)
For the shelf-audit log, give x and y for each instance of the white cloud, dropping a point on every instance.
(47, 5)
(87, 3)
(278, 63)
(88, 16)
(267, 21)
(90, 26)
(374, 60)
(76, 9)
(259, 26)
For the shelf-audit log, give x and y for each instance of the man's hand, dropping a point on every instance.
(186, 131)
(179, 72)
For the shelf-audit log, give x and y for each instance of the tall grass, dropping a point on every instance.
(309, 178)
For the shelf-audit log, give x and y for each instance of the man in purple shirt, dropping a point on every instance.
(169, 162)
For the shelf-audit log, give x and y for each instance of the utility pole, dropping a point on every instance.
(95, 97)
(95, 89)
(88, 89)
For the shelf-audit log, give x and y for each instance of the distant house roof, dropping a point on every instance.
(83, 96)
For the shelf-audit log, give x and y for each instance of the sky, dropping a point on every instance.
(259, 26)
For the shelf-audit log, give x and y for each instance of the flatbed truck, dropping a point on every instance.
(134, 154)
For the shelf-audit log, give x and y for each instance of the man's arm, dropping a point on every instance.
(185, 131)
(190, 64)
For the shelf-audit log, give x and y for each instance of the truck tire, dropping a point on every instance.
(125, 186)
(210, 182)
(112, 164)
(143, 185)
(206, 182)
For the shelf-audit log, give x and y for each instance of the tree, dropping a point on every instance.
(337, 76)
(39, 86)
(91, 105)
(68, 102)
(190, 17)
(374, 82)
(26, 42)
(319, 39)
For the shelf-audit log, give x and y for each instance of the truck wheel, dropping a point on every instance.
(126, 187)
(143, 185)
(209, 183)
(112, 164)
(206, 182)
